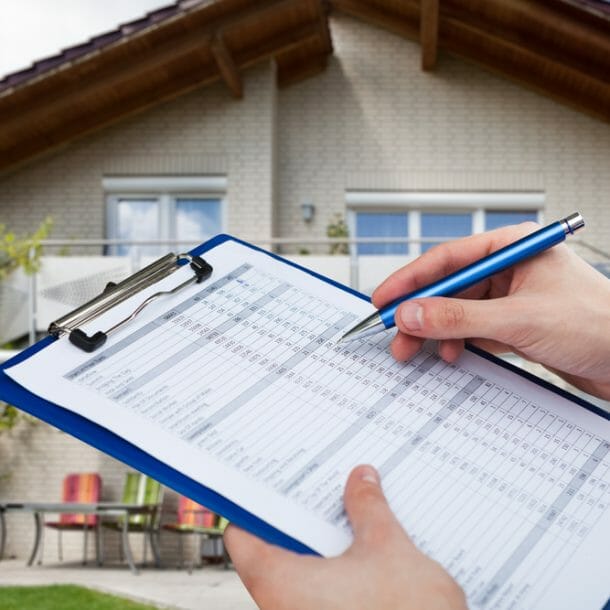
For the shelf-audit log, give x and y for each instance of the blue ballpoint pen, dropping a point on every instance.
(472, 274)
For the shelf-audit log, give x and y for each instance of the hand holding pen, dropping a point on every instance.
(553, 308)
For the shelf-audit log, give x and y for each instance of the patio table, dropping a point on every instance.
(103, 509)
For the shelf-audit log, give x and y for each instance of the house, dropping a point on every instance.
(271, 119)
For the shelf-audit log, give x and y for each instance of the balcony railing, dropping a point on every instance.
(29, 303)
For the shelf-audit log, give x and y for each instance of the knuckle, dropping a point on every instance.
(444, 259)
(452, 315)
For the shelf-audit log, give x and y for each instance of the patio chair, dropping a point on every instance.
(83, 488)
(146, 493)
(196, 520)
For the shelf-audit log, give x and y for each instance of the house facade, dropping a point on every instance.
(372, 133)
(392, 150)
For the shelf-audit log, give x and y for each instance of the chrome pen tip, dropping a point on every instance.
(350, 335)
(369, 326)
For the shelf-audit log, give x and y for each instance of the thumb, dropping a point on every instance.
(447, 318)
(370, 515)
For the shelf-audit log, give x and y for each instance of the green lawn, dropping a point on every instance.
(63, 597)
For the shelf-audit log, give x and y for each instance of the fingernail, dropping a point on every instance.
(412, 315)
(369, 474)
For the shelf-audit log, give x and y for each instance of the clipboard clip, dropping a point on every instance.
(114, 294)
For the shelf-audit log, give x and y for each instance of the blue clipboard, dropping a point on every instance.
(115, 446)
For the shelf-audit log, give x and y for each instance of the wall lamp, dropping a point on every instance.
(307, 211)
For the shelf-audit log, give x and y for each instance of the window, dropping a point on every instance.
(417, 216)
(495, 220)
(186, 209)
(444, 224)
(196, 218)
(382, 224)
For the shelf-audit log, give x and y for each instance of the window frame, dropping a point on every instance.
(415, 203)
(166, 190)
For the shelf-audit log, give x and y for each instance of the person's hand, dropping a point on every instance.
(553, 309)
(381, 570)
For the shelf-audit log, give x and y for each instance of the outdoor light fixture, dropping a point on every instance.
(307, 211)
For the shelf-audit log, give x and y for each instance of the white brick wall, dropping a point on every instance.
(372, 120)
(375, 121)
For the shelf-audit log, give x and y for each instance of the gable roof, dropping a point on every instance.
(560, 48)
(165, 54)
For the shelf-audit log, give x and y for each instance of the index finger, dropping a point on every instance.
(440, 261)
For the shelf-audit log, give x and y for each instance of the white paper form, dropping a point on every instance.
(239, 384)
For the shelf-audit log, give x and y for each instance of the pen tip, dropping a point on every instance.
(368, 326)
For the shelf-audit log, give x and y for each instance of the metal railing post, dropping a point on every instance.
(354, 272)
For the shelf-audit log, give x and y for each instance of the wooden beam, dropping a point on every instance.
(325, 29)
(24, 150)
(107, 79)
(542, 28)
(403, 25)
(285, 42)
(37, 139)
(428, 33)
(27, 120)
(537, 72)
(140, 72)
(298, 71)
(227, 68)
